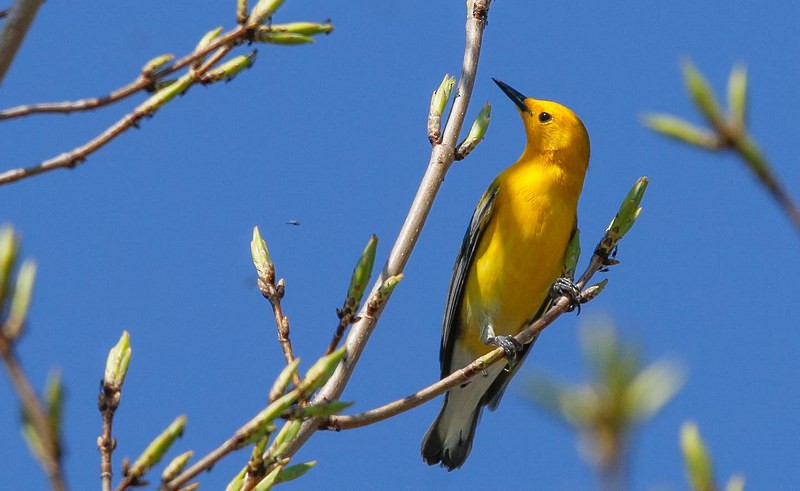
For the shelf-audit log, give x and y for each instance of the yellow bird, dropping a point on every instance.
(511, 256)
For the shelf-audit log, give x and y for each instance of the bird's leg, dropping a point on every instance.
(510, 345)
(566, 287)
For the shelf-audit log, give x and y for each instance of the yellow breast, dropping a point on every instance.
(521, 251)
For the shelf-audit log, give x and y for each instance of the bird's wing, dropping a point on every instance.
(450, 325)
(495, 392)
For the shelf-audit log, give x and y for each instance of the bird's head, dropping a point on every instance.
(552, 129)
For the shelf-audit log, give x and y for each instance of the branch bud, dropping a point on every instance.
(439, 100)
(263, 11)
(696, 458)
(175, 466)
(266, 35)
(155, 64)
(700, 91)
(624, 220)
(681, 130)
(231, 68)
(304, 28)
(361, 275)
(476, 133)
(737, 97)
(261, 258)
(157, 448)
(119, 357)
(21, 301)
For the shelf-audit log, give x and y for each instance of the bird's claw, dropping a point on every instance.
(510, 346)
(567, 288)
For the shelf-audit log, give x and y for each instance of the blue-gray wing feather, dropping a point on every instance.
(466, 255)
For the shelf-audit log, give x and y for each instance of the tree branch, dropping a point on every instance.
(440, 161)
(20, 17)
(526, 336)
(78, 155)
(142, 82)
(50, 457)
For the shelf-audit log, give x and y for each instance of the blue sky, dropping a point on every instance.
(152, 233)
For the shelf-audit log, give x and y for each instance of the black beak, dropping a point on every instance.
(514, 95)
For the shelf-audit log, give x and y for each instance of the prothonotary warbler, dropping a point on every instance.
(512, 254)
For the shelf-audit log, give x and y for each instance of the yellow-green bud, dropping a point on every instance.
(176, 466)
(228, 70)
(158, 447)
(21, 301)
(119, 357)
(361, 275)
(700, 91)
(9, 248)
(681, 130)
(737, 97)
(260, 253)
(628, 212)
(305, 28)
(156, 63)
(476, 132)
(265, 35)
(698, 462)
(164, 95)
(282, 381)
(295, 471)
(263, 11)
(321, 371)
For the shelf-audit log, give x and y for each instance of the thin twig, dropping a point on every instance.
(560, 306)
(20, 18)
(233, 37)
(274, 293)
(106, 444)
(344, 321)
(140, 83)
(757, 163)
(235, 442)
(440, 161)
(34, 410)
(214, 59)
(78, 155)
(108, 402)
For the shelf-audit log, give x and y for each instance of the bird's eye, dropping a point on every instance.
(544, 117)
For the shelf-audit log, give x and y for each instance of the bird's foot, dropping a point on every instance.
(566, 287)
(510, 346)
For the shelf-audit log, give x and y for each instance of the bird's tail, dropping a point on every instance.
(449, 439)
